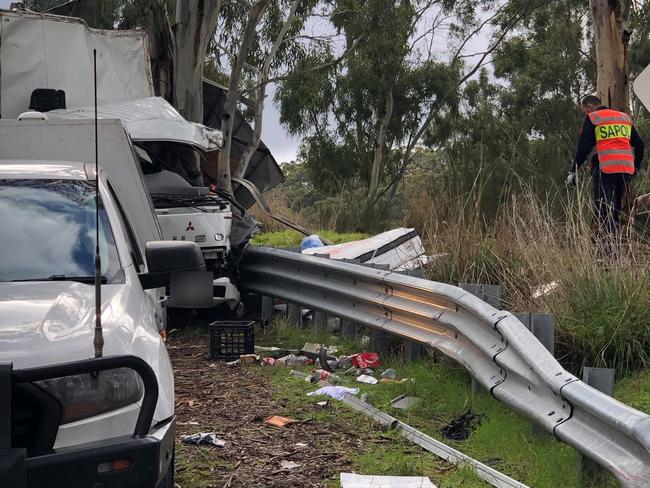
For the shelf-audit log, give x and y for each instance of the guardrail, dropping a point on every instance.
(492, 345)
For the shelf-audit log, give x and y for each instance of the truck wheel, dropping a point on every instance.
(168, 480)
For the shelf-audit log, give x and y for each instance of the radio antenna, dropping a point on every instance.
(98, 341)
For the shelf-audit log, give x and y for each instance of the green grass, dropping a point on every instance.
(288, 238)
(635, 391)
(503, 440)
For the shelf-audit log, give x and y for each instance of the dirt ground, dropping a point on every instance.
(233, 402)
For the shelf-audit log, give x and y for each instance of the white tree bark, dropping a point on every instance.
(228, 119)
(610, 18)
(379, 148)
(195, 24)
(254, 143)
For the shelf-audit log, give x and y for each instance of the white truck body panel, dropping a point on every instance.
(150, 119)
(50, 51)
(45, 323)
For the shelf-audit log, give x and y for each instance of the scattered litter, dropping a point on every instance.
(274, 352)
(278, 421)
(313, 349)
(404, 402)
(292, 360)
(366, 360)
(301, 445)
(236, 362)
(547, 289)
(336, 392)
(327, 376)
(389, 374)
(461, 427)
(248, 358)
(323, 404)
(369, 380)
(345, 361)
(350, 480)
(310, 242)
(365, 340)
(300, 374)
(403, 380)
(268, 361)
(289, 465)
(202, 438)
(191, 422)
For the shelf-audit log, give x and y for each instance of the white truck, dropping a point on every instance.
(66, 420)
(46, 61)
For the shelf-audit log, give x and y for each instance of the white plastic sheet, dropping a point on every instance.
(48, 51)
(150, 119)
(350, 480)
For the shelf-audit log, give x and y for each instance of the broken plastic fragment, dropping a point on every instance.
(202, 438)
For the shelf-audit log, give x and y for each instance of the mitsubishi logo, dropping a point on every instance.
(189, 226)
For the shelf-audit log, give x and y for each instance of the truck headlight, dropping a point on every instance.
(87, 395)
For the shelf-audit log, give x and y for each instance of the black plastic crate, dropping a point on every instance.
(231, 339)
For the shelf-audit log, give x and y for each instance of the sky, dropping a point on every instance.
(282, 145)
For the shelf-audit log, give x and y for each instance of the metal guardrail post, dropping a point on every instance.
(348, 329)
(320, 321)
(266, 309)
(294, 314)
(381, 343)
(542, 326)
(490, 294)
(589, 472)
(413, 351)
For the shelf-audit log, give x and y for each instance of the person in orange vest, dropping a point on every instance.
(618, 156)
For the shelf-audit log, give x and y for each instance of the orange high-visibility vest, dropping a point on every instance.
(613, 132)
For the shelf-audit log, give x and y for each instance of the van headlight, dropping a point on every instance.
(87, 395)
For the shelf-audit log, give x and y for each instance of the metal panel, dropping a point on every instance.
(493, 346)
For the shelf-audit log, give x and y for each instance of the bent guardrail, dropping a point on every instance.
(493, 346)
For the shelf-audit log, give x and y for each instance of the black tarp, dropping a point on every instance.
(263, 170)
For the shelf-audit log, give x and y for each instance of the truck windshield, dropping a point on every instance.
(47, 232)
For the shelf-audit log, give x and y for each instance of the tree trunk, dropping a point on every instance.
(228, 119)
(254, 143)
(610, 18)
(195, 23)
(379, 148)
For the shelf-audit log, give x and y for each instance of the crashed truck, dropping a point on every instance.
(46, 74)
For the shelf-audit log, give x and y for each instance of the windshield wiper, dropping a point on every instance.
(61, 277)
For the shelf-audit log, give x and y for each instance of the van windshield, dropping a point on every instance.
(47, 232)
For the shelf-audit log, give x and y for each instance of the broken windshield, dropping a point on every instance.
(48, 232)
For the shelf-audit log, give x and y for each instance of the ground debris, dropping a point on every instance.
(234, 402)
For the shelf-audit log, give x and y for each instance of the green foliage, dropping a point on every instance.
(339, 156)
(290, 238)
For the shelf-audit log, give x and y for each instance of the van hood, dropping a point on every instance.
(50, 322)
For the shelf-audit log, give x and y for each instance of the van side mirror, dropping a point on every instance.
(167, 257)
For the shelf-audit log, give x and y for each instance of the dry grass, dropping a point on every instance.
(600, 301)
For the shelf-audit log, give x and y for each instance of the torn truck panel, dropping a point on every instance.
(399, 248)
(263, 170)
(50, 51)
(150, 119)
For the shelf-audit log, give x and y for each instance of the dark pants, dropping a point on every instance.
(608, 194)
